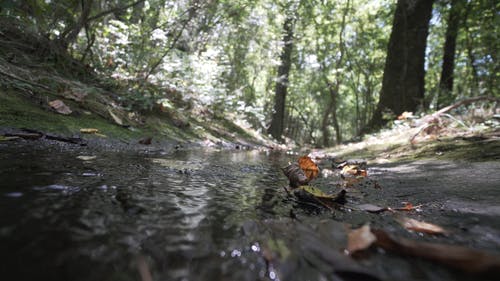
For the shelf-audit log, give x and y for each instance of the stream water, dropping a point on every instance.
(73, 213)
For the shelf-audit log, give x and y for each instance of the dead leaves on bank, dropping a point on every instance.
(360, 240)
(462, 258)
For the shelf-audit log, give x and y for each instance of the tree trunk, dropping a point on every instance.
(446, 81)
(277, 121)
(70, 34)
(404, 73)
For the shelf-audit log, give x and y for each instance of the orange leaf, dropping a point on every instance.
(309, 167)
(408, 206)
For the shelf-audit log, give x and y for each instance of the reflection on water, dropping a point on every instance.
(66, 215)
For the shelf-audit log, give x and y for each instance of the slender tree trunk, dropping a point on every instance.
(70, 34)
(404, 73)
(333, 89)
(325, 122)
(277, 121)
(446, 81)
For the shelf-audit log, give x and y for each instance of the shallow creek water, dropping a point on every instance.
(214, 215)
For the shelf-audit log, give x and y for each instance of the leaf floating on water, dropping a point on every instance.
(60, 107)
(310, 168)
(420, 226)
(89, 131)
(465, 259)
(360, 239)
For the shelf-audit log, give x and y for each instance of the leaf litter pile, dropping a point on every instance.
(339, 247)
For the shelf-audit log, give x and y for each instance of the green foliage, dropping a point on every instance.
(224, 55)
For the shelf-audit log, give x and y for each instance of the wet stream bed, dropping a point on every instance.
(77, 213)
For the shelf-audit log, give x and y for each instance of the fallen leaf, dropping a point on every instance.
(420, 226)
(86, 158)
(295, 175)
(408, 207)
(360, 239)
(310, 168)
(89, 131)
(465, 259)
(405, 115)
(60, 107)
(372, 208)
(353, 170)
(314, 195)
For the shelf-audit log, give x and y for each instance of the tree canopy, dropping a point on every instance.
(332, 60)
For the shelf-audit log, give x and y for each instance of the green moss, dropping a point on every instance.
(17, 111)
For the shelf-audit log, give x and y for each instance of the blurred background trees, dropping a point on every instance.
(315, 71)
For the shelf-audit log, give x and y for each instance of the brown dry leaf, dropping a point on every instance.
(360, 239)
(310, 168)
(89, 131)
(295, 175)
(420, 226)
(465, 259)
(60, 107)
(405, 115)
(353, 170)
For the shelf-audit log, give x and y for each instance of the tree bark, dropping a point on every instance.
(404, 73)
(446, 80)
(277, 121)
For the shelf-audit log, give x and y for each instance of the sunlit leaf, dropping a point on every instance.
(310, 168)
(353, 170)
(360, 239)
(420, 226)
(89, 131)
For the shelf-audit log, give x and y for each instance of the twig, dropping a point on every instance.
(430, 118)
(24, 80)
